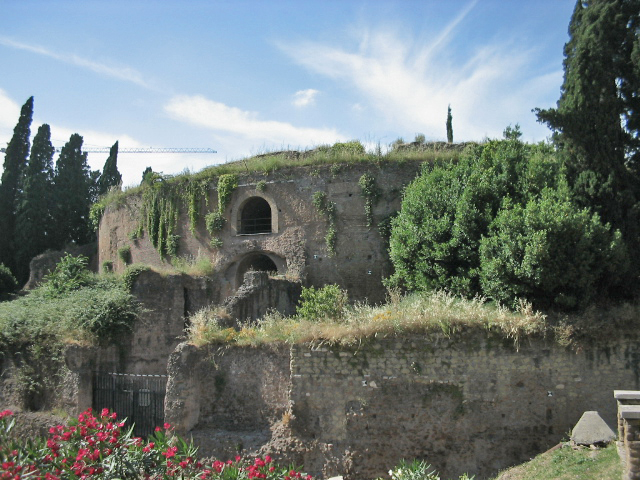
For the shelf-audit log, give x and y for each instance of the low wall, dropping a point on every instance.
(471, 403)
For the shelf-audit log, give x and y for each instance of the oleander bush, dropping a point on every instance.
(104, 447)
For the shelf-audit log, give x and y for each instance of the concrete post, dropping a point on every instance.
(629, 432)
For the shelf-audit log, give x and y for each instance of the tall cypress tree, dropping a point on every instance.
(449, 125)
(110, 175)
(596, 123)
(72, 194)
(11, 183)
(34, 221)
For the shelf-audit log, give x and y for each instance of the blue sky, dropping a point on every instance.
(248, 77)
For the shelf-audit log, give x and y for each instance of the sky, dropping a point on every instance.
(251, 77)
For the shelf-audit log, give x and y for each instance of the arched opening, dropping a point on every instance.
(258, 262)
(255, 217)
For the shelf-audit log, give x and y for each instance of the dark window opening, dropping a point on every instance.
(256, 263)
(255, 217)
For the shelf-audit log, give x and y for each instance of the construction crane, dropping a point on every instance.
(141, 150)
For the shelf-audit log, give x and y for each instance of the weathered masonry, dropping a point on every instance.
(271, 224)
(469, 403)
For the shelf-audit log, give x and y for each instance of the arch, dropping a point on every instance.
(253, 204)
(258, 261)
(255, 217)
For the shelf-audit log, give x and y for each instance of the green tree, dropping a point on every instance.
(15, 161)
(449, 125)
(552, 253)
(501, 223)
(34, 226)
(72, 194)
(596, 123)
(110, 177)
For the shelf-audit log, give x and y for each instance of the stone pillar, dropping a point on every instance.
(629, 432)
(182, 400)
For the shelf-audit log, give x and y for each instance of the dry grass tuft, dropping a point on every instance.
(420, 312)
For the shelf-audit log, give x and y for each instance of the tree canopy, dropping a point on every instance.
(15, 161)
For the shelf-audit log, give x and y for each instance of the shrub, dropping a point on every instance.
(8, 283)
(500, 223)
(214, 222)
(418, 470)
(124, 254)
(552, 253)
(261, 186)
(326, 302)
(102, 447)
(71, 273)
(107, 266)
(216, 242)
(131, 273)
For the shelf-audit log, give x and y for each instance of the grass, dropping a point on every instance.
(271, 162)
(567, 463)
(420, 312)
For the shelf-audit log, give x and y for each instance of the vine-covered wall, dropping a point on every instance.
(191, 220)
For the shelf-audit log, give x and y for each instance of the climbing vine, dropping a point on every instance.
(226, 185)
(370, 191)
(215, 221)
(328, 209)
(195, 191)
(160, 217)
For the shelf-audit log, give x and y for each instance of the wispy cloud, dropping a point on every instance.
(411, 83)
(218, 117)
(118, 72)
(305, 98)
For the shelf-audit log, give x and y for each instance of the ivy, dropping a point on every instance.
(160, 216)
(226, 185)
(214, 221)
(195, 191)
(327, 208)
(371, 193)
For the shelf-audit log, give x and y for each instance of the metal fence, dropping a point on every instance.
(139, 398)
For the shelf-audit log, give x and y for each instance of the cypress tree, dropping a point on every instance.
(33, 221)
(11, 183)
(449, 125)
(72, 194)
(596, 123)
(110, 175)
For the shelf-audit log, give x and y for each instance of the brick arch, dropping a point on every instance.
(251, 206)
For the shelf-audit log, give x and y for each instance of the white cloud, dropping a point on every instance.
(119, 72)
(304, 98)
(412, 83)
(218, 117)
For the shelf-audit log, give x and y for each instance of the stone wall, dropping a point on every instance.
(470, 403)
(297, 243)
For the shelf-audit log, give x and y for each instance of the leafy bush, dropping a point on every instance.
(107, 266)
(124, 254)
(101, 447)
(214, 222)
(71, 273)
(326, 302)
(8, 283)
(550, 251)
(131, 273)
(452, 209)
(418, 470)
